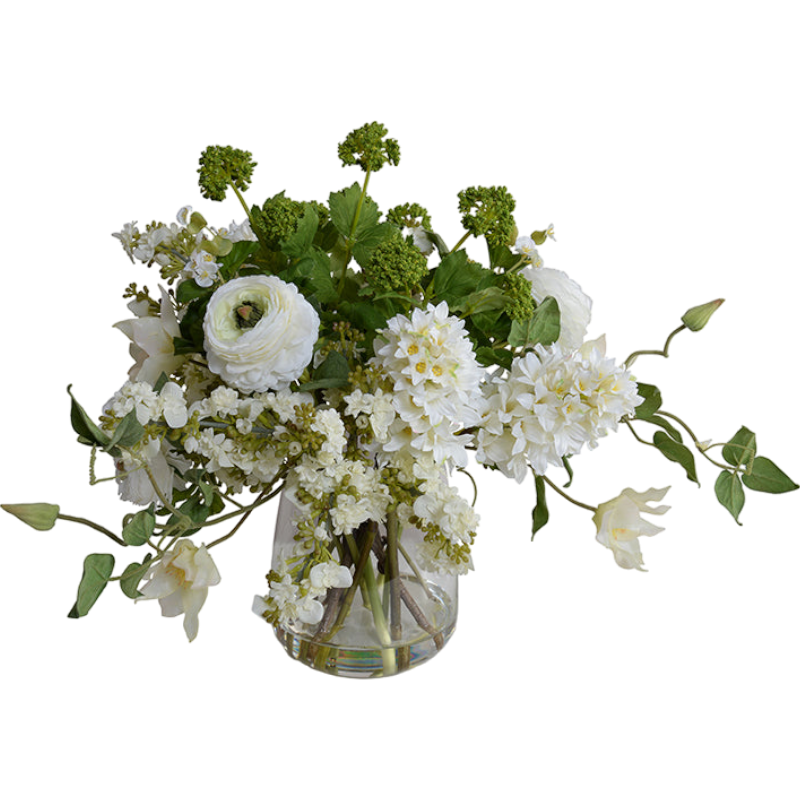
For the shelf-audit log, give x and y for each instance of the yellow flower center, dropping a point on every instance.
(413, 349)
(421, 367)
(436, 370)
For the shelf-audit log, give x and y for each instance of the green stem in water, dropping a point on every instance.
(393, 567)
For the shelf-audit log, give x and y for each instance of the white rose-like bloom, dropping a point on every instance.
(180, 581)
(574, 305)
(279, 345)
(619, 524)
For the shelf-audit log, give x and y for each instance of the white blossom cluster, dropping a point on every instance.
(436, 383)
(552, 404)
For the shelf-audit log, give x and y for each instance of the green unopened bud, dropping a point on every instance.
(696, 318)
(218, 246)
(196, 223)
(539, 237)
(41, 516)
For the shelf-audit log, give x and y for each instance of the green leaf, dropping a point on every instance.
(343, 206)
(667, 426)
(132, 576)
(568, 468)
(370, 239)
(544, 327)
(140, 528)
(41, 516)
(501, 256)
(189, 290)
(489, 357)
(97, 569)
(128, 432)
(491, 298)
(540, 513)
(675, 451)
(299, 243)
(456, 277)
(82, 424)
(652, 400)
(730, 493)
(767, 477)
(741, 449)
(334, 368)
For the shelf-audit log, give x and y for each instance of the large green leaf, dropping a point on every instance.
(128, 432)
(675, 451)
(730, 493)
(132, 576)
(84, 426)
(544, 327)
(140, 528)
(343, 206)
(299, 243)
(652, 400)
(456, 277)
(741, 449)
(97, 569)
(767, 477)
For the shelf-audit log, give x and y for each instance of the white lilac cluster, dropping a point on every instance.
(290, 601)
(436, 382)
(552, 404)
(162, 244)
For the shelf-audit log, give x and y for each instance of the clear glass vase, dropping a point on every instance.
(394, 616)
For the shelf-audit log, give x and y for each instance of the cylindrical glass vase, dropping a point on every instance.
(394, 616)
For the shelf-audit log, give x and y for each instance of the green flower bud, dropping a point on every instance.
(487, 211)
(41, 516)
(696, 318)
(367, 147)
(221, 167)
(396, 266)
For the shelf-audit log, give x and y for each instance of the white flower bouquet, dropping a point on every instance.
(349, 361)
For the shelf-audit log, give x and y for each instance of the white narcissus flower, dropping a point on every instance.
(152, 345)
(180, 582)
(620, 524)
(259, 333)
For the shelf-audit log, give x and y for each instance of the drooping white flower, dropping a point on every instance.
(259, 333)
(152, 346)
(575, 306)
(180, 582)
(127, 236)
(619, 524)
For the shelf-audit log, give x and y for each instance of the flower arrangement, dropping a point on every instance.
(349, 361)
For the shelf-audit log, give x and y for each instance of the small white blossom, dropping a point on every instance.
(203, 267)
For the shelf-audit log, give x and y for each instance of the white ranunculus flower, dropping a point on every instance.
(574, 305)
(620, 524)
(151, 341)
(180, 582)
(259, 333)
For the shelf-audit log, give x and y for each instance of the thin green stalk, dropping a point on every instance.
(665, 352)
(243, 202)
(94, 526)
(566, 496)
(461, 241)
(353, 226)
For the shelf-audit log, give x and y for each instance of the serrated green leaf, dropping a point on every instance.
(300, 242)
(766, 476)
(140, 528)
(343, 206)
(97, 569)
(675, 451)
(456, 277)
(728, 489)
(368, 240)
(540, 514)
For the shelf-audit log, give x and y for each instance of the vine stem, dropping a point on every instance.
(665, 352)
(566, 496)
(93, 525)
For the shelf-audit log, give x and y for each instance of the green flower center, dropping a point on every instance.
(248, 314)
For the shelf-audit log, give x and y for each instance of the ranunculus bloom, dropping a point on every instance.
(180, 581)
(575, 306)
(151, 341)
(259, 333)
(619, 524)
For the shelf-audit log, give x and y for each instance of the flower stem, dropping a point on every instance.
(566, 496)
(243, 202)
(393, 566)
(461, 241)
(665, 352)
(93, 525)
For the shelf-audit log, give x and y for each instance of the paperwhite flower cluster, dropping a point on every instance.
(551, 405)
(436, 377)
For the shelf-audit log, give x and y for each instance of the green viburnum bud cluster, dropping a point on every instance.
(277, 219)
(221, 167)
(396, 266)
(520, 304)
(488, 211)
(409, 215)
(368, 148)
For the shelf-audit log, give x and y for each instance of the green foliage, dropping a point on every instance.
(367, 147)
(333, 372)
(301, 240)
(140, 528)
(84, 426)
(456, 277)
(520, 305)
(488, 211)
(675, 451)
(132, 576)
(97, 569)
(41, 516)
(540, 513)
(741, 449)
(652, 401)
(344, 205)
(544, 327)
(127, 433)
(395, 266)
(276, 220)
(730, 493)
(223, 166)
(766, 476)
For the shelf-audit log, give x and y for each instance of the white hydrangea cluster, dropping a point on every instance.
(552, 404)
(436, 382)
